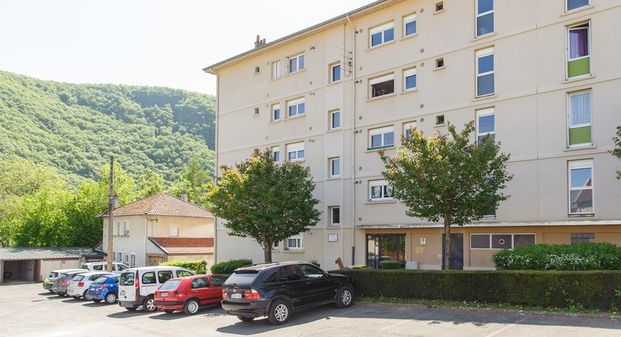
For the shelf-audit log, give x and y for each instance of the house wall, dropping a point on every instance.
(48, 265)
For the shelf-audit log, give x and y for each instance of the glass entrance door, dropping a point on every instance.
(382, 247)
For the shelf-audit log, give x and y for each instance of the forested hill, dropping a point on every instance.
(74, 128)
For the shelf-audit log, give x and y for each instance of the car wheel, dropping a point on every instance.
(96, 301)
(191, 307)
(169, 311)
(279, 313)
(111, 298)
(245, 319)
(84, 294)
(344, 297)
(149, 304)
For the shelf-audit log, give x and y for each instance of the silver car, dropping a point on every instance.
(78, 286)
(60, 284)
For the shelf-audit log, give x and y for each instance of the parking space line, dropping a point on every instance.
(403, 322)
(507, 327)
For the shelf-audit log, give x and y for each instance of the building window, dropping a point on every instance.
(578, 51)
(173, 231)
(256, 112)
(276, 70)
(439, 6)
(275, 112)
(276, 245)
(295, 152)
(119, 257)
(296, 107)
(335, 72)
(408, 128)
(335, 119)
(485, 72)
(132, 261)
(335, 215)
(500, 241)
(486, 125)
(382, 137)
(440, 120)
(575, 4)
(381, 86)
(409, 79)
(295, 63)
(579, 118)
(334, 167)
(276, 153)
(409, 25)
(440, 63)
(382, 34)
(295, 242)
(380, 190)
(578, 238)
(257, 70)
(385, 247)
(485, 17)
(581, 187)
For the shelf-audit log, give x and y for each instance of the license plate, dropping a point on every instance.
(163, 294)
(236, 296)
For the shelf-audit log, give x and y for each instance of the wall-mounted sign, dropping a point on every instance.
(423, 241)
(333, 237)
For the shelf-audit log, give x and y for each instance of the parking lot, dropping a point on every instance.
(28, 310)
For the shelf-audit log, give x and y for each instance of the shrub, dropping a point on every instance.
(198, 267)
(228, 267)
(390, 264)
(585, 256)
(590, 289)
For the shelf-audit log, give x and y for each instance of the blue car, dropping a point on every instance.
(105, 288)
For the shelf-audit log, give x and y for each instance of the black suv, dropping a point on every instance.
(276, 290)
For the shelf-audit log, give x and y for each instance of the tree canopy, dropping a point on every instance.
(617, 148)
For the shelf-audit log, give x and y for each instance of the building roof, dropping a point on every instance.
(302, 33)
(161, 204)
(43, 253)
(179, 246)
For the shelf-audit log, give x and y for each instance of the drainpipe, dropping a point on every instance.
(353, 142)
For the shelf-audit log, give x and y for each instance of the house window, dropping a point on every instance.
(119, 257)
(334, 167)
(296, 107)
(276, 70)
(335, 215)
(575, 4)
(276, 245)
(335, 72)
(115, 228)
(578, 238)
(439, 6)
(276, 153)
(257, 70)
(409, 25)
(440, 63)
(409, 79)
(382, 34)
(275, 112)
(440, 121)
(132, 260)
(500, 241)
(382, 137)
(335, 119)
(256, 112)
(173, 231)
(579, 118)
(295, 63)
(578, 51)
(381, 86)
(126, 259)
(486, 125)
(295, 242)
(485, 72)
(295, 152)
(380, 190)
(485, 17)
(581, 187)
(408, 128)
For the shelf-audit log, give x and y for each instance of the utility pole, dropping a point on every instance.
(110, 256)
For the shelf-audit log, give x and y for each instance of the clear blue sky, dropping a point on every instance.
(150, 42)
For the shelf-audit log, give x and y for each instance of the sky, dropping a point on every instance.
(145, 42)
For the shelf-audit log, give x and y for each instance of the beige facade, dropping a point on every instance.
(537, 49)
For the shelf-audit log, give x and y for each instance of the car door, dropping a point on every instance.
(320, 287)
(295, 284)
(200, 289)
(148, 283)
(215, 289)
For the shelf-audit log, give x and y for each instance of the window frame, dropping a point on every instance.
(296, 147)
(478, 55)
(340, 72)
(176, 231)
(331, 114)
(490, 235)
(331, 162)
(300, 242)
(273, 108)
(383, 28)
(276, 67)
(569, 118)
(580, 164)
(275, 150)
(381, 131)
(381, 79)
(410, 125)
(575, 240)
(331, 210)
(484, 113)
(408, 73)
(297, 102)
(568, 59)
(478, 15)
(297, 58)
(567, 10)
(406, 20)
(383, 183)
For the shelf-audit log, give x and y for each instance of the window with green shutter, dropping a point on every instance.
(578, 51)
(579, 118)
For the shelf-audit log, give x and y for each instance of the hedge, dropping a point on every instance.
(198, 267)
(228, 267)
(390, 264)
(581, 289)
(585, 256)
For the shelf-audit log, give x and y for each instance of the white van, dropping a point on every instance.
(137, 285)
(117, 267)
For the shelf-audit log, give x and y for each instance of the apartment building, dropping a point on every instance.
(541, 76)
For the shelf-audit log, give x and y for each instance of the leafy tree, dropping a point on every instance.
(150, 183)
(193, 180)
(617, 148)
(264, 200)
(449, 177)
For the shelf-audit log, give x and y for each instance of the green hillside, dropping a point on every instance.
(74, 128)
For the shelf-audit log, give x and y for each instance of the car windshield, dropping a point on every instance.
(78, 278)
(242, 277)
(127, 279)
(170, 284)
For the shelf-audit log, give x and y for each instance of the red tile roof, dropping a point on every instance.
(161, 204)
(182, 246)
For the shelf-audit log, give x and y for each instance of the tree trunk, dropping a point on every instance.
(447, 243)
(267, 251)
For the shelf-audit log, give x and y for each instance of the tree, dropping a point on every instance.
(448, 176)
(617, 148)
(150, 183)
(193, 180)
(264, 200)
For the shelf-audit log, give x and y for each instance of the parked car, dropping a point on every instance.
(61, 282)
(54, 274)
(106, 287)
(276, 290)
(117, 267)
(138, 285)
(78, 286)
(189, 293)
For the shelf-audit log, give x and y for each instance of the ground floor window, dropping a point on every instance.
(500, 241)
(577, 238)
(382, 247)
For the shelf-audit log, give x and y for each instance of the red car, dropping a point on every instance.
(189, 293)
